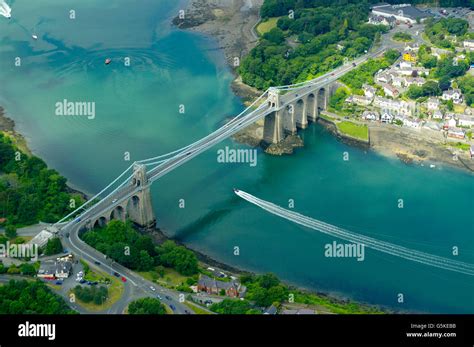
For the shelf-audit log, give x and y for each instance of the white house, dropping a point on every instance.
(432, 104)
(465, 121)
(390, 90)
(469, 44)
(359, 100)
(386, 117)
(452, 94)
(405, 65)
(369, 91)
(437, 114)
(395, 106)
(456, 133)
(370, 115)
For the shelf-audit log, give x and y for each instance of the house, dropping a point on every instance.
(232, 288)
(409, 56)
(395, 106)
(405, 65)
(370, 115)
(452, 94)
(469, 45)
(383, 77)
(358, 100)
(465, 121)
(398, 82)
(451, 123)
(390, 90)
(437, 114)
(432, 104)
(404, 12)
(386, 117)
(47, 270)
(456, 133)
(412, 123)
(418, 81)
(63, 269)
(369, 91)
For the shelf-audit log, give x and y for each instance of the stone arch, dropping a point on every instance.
(322, 99)
(100, 222)
(300, 114)
(118, 213)
(311, 107)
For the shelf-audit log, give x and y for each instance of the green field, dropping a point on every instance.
(354, 130)
(269, 24)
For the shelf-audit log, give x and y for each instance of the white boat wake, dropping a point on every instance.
(381, 246)
(5, 10)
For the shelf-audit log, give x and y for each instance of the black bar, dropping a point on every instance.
(259, 329)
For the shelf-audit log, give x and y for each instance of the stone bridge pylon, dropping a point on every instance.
(294, 110)
(137, 206)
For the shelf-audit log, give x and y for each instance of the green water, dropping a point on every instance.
(137, 111)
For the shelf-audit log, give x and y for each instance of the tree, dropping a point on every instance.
(10, 231)
(146, 306)
(53, 246)
(231, 306)
(275, 36)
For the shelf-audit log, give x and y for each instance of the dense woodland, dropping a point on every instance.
(28, 297)
(29, 191)
(146, 306)
(121, 242)
(320, 36)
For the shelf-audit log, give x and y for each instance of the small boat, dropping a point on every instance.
(432, 166)
(35, 37)
(108, 61)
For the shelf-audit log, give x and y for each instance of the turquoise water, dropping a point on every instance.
(137, 111)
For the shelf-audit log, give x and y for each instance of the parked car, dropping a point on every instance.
(58, 283)
(82, 281)
(123, 279)
(152, 288)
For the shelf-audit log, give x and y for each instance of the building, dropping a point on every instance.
(452, 94)
(370, 115)
(417, 81)
(395, 106)
(381, 20)
(386, 117)
(469, 45)
(432, 104)
(369, 91)
(359, 100)
(404, 12)
(41, 239)
(390, 90)
(437, 114)
(409, 57)
(465, 120)
(271, 310)
(456, 133)
(232, 288)
(59, 269)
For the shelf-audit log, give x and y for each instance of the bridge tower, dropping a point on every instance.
(139, 207)
(273, 124)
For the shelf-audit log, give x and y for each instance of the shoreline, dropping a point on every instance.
(218, 19)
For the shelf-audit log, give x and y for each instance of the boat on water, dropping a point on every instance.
(35, 37)
(108, 61)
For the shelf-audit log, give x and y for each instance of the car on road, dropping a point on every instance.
(77, 220)
(59, 283)
(114, 201)
(187, 312)
(67, 234)
(167, 297)
(82, 281)
(116, 274)
(152, 288)
(97, 263)
(123, 279)
(172, 307)
(159, 297)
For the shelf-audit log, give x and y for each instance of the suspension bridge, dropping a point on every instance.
(284, 110)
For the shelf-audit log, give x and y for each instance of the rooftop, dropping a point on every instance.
(407, 11)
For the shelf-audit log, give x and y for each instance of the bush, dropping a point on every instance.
(146, 306)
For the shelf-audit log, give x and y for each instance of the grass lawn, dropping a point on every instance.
(170, 278)
(326, 117)
(265, 27)
(459, 108)
(196, 308)
(459, 145)
(355, 130)
(115, 288)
